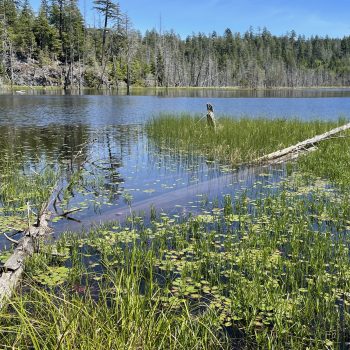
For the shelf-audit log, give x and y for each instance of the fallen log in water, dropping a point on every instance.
(13, 268)
(294, 151)
(11, 271)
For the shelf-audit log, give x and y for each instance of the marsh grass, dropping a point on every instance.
(121, 317)
(261, 273)
(18, 188)
(22, 194)
(236, 140)
(330, 161)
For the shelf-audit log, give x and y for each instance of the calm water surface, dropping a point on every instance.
(103, 137)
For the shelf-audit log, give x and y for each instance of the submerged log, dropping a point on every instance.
(294, 151)
(13, 268)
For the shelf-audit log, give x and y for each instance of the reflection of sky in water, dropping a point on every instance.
(119, 157)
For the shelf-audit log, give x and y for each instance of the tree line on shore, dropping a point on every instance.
(57, 47)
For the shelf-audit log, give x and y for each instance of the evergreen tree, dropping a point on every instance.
(117, 52)
(9, 9)
(46, 35)
(111, 12)
(24, 36)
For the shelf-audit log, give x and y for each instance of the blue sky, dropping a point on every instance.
(308, 17)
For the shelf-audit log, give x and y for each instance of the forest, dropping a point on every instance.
(56, 47)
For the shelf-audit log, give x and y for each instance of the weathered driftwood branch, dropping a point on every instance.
(26, 246)
(294, 151)
(69, 212)
(11, 239)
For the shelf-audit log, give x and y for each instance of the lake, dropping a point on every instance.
(102, 137)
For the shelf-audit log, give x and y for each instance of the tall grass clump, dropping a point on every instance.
(330, 161)
(23, 193)
(235, 140)
(122, 320)
(18, 188)
(121, 308)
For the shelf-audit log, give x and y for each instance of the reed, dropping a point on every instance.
(235, 141)
(330, 161)
(22, 194)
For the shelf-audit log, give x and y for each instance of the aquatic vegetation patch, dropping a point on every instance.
(235, 141)
(330, 161)
(23, 192)
(20, 188)
(259, 273)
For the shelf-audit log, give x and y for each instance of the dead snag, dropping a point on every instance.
(210, 116)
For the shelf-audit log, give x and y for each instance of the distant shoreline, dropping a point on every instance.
(15, 88)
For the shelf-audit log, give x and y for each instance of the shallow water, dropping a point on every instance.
(103, 137)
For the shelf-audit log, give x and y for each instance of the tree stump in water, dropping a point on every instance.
(210, 116)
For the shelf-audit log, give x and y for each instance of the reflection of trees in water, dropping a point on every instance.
(229, 93)
(50, 144)
(89, 159)
(112, 145)
(65, 143)
(33, 149)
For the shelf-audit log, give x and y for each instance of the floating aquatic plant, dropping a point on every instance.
(272, 274)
